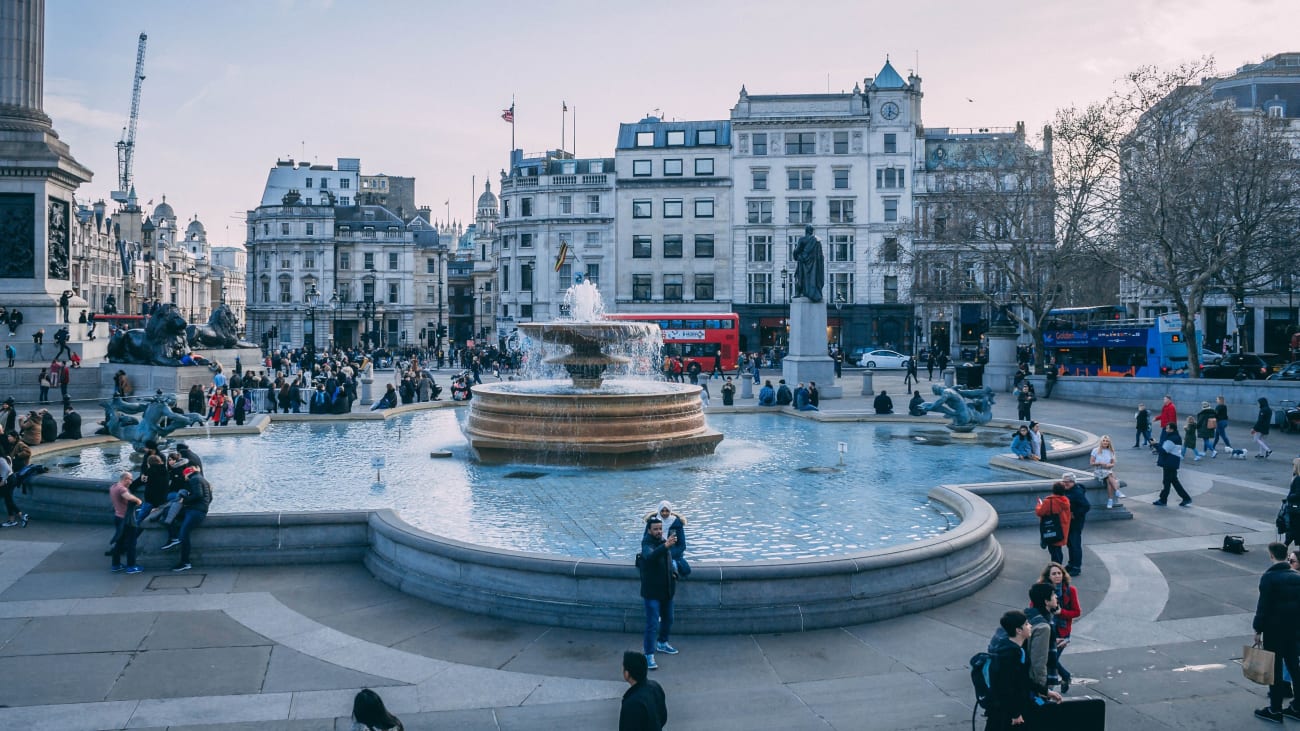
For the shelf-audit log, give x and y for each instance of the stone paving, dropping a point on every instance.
(287, 647)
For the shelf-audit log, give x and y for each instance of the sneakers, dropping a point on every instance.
(134, 569)
(1185, 503)
(171, 544)
(1110, 503)
(665, 648)
(1266, 454)
(117, 568)
(1161, 503)
(181, 567)
(1120, 494)
(1214, 454)
(23, 519)
(1268, 714)
(650, 663)
(1291, 712)
(8, 524)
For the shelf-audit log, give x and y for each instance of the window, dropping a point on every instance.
(392, 260)
(593, 238)
(369, 260)
(760, 248)
(889, 249)
(841, 287)
(673, 166)
(307, 201)
(760, 179)
(525, 207)
(841, 247)
(266, 229)
(593, 204)
(704, 208)
(703, 287)
(525, 241)
(345, 183)
(308, 261)
(760, 143)
(676, 138)
(841, 143)
(760, 211)
(286, 263)
(311, 228)
(368, 291)
(841, 210)
(889, 178)
(891, 142)
(673, 287)
(286, 294)
(706, 137)
(308, 182)
(891, 288)
(345, 260)
(800, 211)
(526, 278)
(345, 201)
(593, 273)
(566, 205)
(641, 284)
(505, 284)
(642, 248)
(324, 183)
(367, 232)
(430, 294)
(642, 208)
(507, 241)
(703, 246)
(891, 210)
(565, 236)
(569, 168)
(841, 178)
(800, 143)
(641, 169)
(284, 229)
(596, 167)
(673, 247)
(760, 288)
(673, 208)
(799, 179)
(505, 208)
(394, 289)
(266, 290)
(645, 139)
(703, 166)
(940, 226)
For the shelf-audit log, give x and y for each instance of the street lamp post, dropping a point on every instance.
(312, 300)
(1239, 314)
(334, 319)
(785, 285)
(366, 310)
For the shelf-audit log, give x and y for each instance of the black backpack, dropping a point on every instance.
(1050, 530)
(981, 676)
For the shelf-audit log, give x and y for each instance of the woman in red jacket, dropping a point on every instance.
(1056, 575)
(1056, 503)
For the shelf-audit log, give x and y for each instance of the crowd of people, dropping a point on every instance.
(169, 488)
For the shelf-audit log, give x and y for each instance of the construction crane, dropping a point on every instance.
(126, 146)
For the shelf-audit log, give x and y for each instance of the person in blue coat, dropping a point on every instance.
(767, 395)
(1022, 445)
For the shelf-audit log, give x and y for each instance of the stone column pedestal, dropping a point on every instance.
(1000, 369)
(808, 359)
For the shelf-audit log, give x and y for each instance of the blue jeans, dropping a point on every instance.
(188, 523)
(1221, 432)
(1143, 437)
(658, 622)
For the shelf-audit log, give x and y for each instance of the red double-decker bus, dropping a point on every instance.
(696, 336)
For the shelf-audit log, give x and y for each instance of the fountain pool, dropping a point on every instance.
(772, 490)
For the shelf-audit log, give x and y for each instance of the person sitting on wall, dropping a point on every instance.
(883, 404)
(767, 395)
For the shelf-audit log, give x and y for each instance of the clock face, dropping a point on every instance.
(889, 110)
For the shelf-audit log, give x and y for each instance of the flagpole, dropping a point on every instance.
(575, 131)
(512, 124)
(564, 114)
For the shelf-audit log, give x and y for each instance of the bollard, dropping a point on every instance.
(747, 387)
(949, 377)
(867, 388)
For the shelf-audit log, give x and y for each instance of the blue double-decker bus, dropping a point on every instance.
(1097, 341)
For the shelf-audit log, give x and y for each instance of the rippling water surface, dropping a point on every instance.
(773, 490)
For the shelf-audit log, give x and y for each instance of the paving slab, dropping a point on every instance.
(209, 671)
(848, 703)
(103, 633)
(189, 630)
(290, 670)
(35, 680)
(823, 655)
(474, 640)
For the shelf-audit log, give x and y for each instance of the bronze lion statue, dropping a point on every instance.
(152, 345)
(222, 331)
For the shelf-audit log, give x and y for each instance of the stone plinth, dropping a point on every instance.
(999, 371)
(146, 379)
(808, 359)
(249, 358)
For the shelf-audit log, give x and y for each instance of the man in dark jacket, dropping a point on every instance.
(1079, 507)
(1169, 460)
(644, 705)
(71, 423)
(784, 396)
(49, 427)
(1011, 692)
(196, 511)
(190, 457)
(658, 585)
(1275, 626)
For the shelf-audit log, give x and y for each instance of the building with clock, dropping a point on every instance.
(843, 164)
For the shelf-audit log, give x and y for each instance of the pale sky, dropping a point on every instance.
(417, 88)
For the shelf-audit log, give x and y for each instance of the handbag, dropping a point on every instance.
(1049, 529)
(1257, 664)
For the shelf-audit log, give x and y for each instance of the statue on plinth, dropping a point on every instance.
(154, 344)
(810, 267)
(966, 408)
(221, 331)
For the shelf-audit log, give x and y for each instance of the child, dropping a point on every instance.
(1143, 436)
(1189, 438)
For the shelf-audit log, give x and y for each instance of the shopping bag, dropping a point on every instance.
(1257, 664)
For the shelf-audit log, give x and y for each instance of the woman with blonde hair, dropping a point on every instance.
(1102, 461)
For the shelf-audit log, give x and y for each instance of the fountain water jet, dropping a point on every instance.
(587, 421)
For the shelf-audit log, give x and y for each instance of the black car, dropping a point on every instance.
(1246, 366)
(1289, 373)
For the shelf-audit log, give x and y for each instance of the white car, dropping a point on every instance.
(883, 359)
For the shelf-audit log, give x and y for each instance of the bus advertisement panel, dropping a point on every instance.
(696, 336)
(1148, 349)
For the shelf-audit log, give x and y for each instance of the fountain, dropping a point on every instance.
(587, 421)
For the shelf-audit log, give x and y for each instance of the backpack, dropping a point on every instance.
(1049, 529)
(981, 676)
